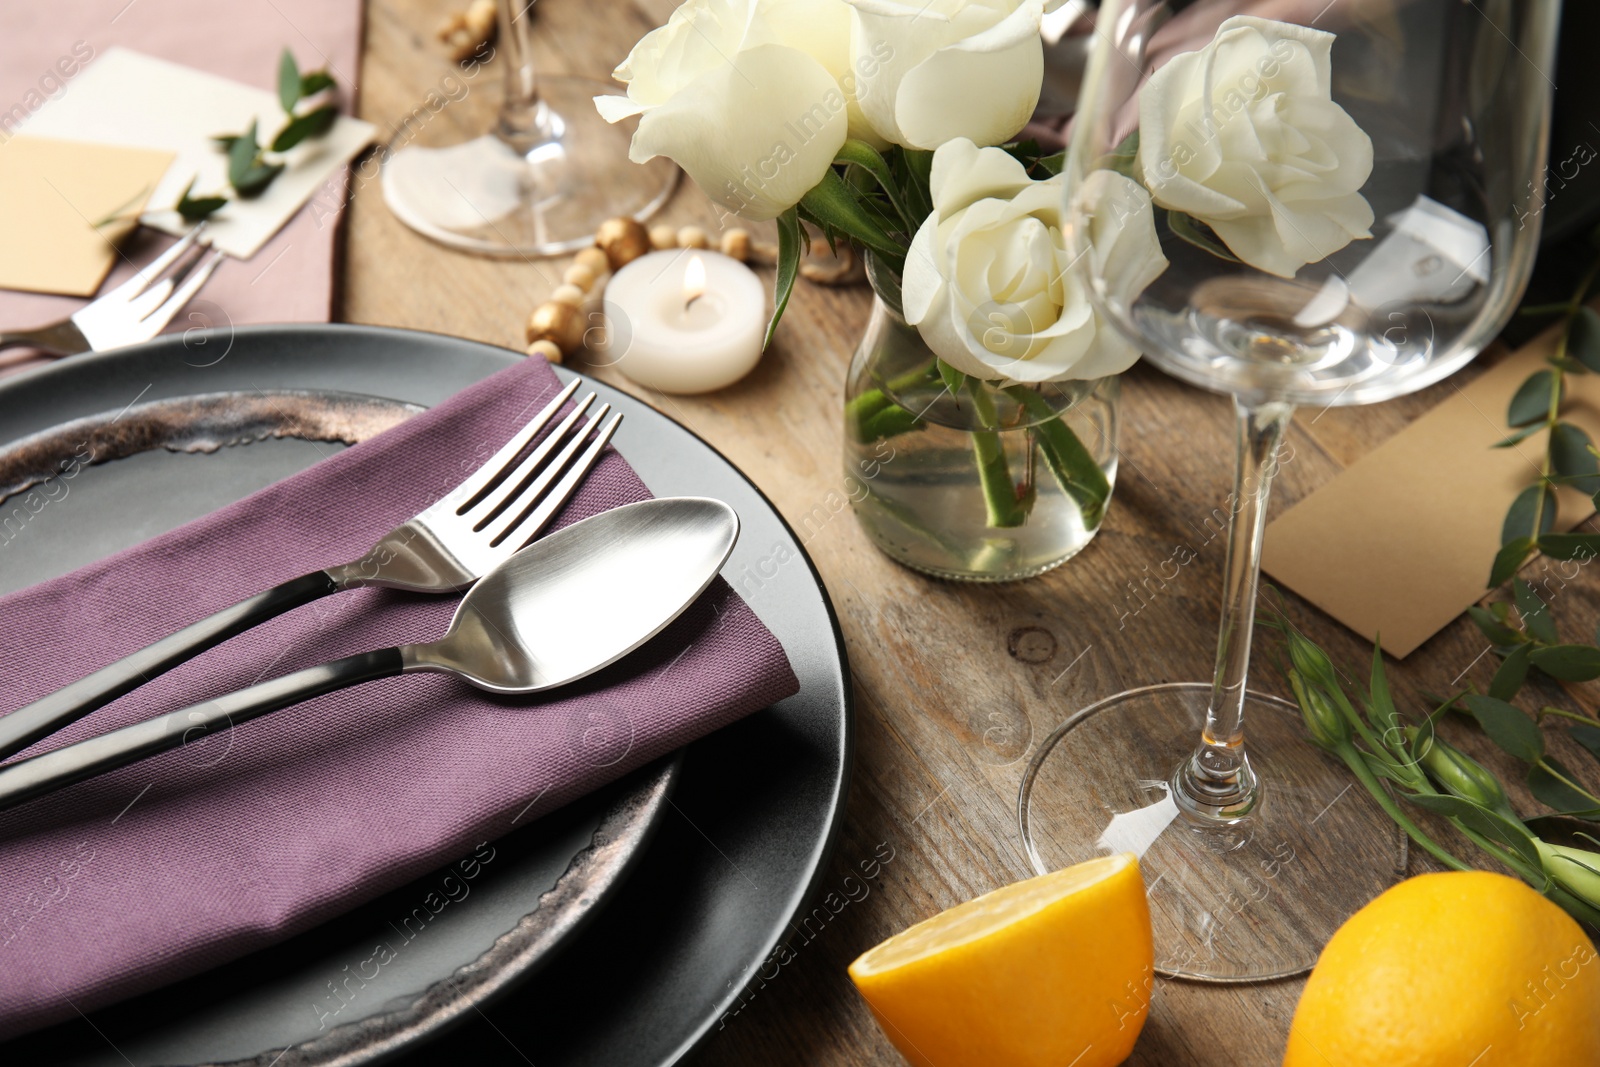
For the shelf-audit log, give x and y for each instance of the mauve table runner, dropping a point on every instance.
(199, 855)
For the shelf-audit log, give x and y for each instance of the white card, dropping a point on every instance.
(126, 98)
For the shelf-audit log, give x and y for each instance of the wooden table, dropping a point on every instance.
(938, 666)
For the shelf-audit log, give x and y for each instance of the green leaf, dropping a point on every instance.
(311, 124)
(1187, 229)
(790, 240)
(313, 83)
(1512, 555)
(1490, 824)
(832, 202)
(1507, 727)
(193, 209)
(1535, 613)
(919, 174)
(1519, 519)
(1571, 457)
(1384, 715)
(1532, 401)
(952, 378)
(1518, 437)
(1588, 737)
(242, 154)
(1579, 546)
(1569, 663)
(1512, 673)
(1496, 631)
(868, 159)
(1052, 165)
(1074, 467)
(224, 141)
(1583, 338)
(288, 81)
(1552, 792)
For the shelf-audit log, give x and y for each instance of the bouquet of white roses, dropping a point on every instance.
(890, 124)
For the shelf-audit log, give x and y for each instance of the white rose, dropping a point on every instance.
(929, 72)
(1244, 136)
(988, 282)
(744, 95)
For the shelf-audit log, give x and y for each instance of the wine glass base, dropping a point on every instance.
(1249, 901)
(498, 198)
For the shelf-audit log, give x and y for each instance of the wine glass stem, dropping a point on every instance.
(524, 121)
(1217, 780)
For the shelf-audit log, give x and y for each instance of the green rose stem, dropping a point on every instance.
(1080, 476)
(999, 494)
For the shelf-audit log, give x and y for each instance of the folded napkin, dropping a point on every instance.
(199, 855)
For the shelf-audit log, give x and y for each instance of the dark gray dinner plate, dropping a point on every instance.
(733, 856)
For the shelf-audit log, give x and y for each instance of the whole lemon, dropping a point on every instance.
(1447, 970)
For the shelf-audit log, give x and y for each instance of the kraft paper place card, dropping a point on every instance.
(63, 207)
(127, 98)
(1401, 542)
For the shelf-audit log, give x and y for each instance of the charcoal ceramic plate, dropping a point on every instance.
(702, 862)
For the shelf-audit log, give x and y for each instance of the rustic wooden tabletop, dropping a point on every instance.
(954, 682)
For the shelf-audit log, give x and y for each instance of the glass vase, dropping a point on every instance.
(968, 479)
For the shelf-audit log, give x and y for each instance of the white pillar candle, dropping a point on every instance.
(685, 321)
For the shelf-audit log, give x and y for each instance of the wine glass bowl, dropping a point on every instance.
(1341, 212)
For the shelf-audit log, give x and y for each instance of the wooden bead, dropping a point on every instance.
(693, 237)
(594, 259)
(736, 243)
(580, 276)
(569, 294)
(623, 240)
(547, 349)
(663, 237)
(560, 324)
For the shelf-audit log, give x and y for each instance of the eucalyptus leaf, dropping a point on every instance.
(1580, 546)
(1532, 401)
(790, 240)
(288, 81)
(1506, 726)
(1557, 795)
(1583, 338)
(1572, 458)
(1569, 663)
(1535, 613)
(243, 154)
(1519, 519)
(1497, 632)
(224, 141)
(193, 209)
(313, 83)
(311, 124)
(1518, 437)
(1512, 673)
(1512, 555)
(1587, 736)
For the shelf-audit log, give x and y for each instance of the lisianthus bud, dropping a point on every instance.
(1325, 724)
(1312, 663)
(1576, 870)
(1459, 773)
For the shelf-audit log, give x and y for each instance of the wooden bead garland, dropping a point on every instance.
(556, 327)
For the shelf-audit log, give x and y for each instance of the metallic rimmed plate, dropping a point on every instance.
(746, 831)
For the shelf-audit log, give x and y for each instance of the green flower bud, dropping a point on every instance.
(1312, 663)
(1324, 722)
(1574, 869)
(1459, 773)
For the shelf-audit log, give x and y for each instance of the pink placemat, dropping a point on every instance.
(291, 278)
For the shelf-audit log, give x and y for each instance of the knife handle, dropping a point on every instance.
(70, 703)
(29, 778)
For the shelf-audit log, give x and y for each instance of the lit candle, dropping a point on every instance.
(685, 321)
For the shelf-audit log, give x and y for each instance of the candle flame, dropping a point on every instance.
(694, 281)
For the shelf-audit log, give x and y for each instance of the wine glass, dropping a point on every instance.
(1255, 853)
(541, 181)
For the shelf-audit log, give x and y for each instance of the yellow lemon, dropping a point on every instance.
(1446, 970)
(1052, 971)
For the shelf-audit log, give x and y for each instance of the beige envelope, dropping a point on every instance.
(63, 207)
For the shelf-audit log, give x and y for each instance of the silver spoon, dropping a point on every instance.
(560, 609)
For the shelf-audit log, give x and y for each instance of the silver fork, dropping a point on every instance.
(134, 311)
(500, 507)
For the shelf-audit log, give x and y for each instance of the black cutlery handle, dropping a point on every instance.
(33, 777)
(70, 703)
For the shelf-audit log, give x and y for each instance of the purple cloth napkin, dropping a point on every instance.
(199, 855)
